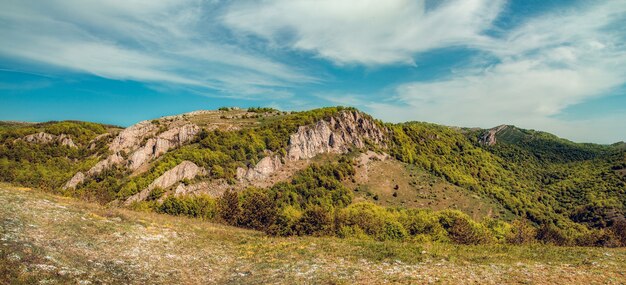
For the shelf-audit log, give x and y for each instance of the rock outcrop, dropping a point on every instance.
(143, 143)
(78, 178)
(261, 170)
(185, 170)
(132, 136)
(489, 137)
(46, 138)
(163, 142)
(346, 130)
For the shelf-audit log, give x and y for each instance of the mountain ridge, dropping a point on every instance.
(531, 175)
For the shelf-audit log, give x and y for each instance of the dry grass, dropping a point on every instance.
(52, 240)
(417, 189)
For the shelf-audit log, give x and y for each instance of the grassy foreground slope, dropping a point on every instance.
(49, 239)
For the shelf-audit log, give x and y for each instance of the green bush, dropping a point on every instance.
(316, 221)
(258, 209)
(228, 207)
(462, 229)
(522, 232)
(374, 220)
(201, 206)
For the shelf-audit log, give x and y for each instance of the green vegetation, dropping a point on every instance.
(47, 166)
(560, 192)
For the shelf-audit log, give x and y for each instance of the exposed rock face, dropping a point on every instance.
(348, 129)
(155, 147)
(261, 170)
(130, 141)
(185, 170)
(489, 137)
(78, 178)
(132, 136)
(46, 138)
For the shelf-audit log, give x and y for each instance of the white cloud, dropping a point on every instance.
(365, 32)
(541, 67)
(162, 42)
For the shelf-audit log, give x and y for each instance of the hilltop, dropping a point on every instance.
(334, 172)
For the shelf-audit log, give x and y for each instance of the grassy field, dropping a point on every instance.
(48, 239)
(393, 183)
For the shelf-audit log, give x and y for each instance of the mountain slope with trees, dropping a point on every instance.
(259, 173)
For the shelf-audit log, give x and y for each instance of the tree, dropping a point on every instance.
(228, 207)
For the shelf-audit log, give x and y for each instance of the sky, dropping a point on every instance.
(556, 66)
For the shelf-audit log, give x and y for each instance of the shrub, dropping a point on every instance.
(315, 220)
(551, 234)
(461, 229)
(201, 206)
(522, 232)
(619, 231)
(155, 194)
(228, 207)
(286, 222)
(423, 224)
(258, 209)
(374, 220)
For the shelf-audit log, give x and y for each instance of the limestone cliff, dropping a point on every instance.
(185, 170)
(338, 134)
(139, 144)
(46, 138)
(346, 130)
(489, 137)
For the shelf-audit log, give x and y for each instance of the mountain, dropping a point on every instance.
(333, 171)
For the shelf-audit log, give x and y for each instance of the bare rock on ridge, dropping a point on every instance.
(347, 129)
(185, 170)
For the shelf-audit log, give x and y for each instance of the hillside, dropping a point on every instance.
(334, 172)
(50, 239)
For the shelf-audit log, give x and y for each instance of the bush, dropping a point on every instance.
(228, 207)
(551, 234)
(423, 224)
(258, 209)
(522, 232)
(155, 194)
(373, 220)
(316, 221)
(201, 206)
(286, 222)
(461, 229)
(619, 231)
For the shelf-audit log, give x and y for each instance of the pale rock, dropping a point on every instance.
(78, 178)
(165, 141)
(346, 130)
(132, 136)
(489, 137)
(185, 170)
(263, 169)
(41, 138)
(114, 159)
(46, 138)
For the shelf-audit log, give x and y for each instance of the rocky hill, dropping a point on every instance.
(323, 162)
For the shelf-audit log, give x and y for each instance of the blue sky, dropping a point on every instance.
(558, 66)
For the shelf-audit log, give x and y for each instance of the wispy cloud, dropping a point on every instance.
(365, 32)
(541, 67)
(160, 42)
